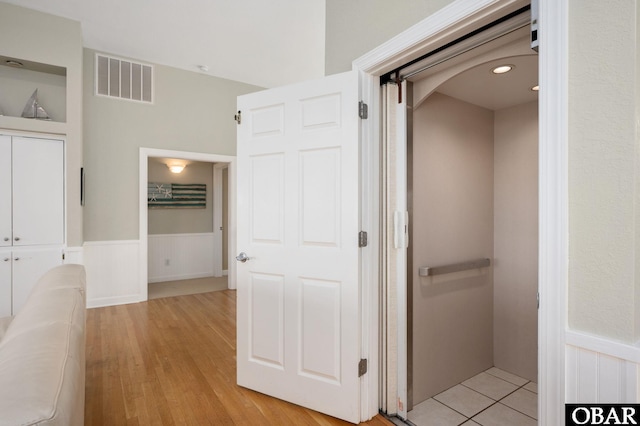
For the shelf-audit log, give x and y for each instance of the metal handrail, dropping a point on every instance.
(429, 271)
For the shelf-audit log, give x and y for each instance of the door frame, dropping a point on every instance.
(455, 20)
(218, 225)
(143, 179)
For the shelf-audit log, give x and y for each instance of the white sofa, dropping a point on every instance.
(42, 353)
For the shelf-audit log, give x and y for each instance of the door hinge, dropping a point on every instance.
(238, 117)
(363, 110)
(362, 239)
(362, 367)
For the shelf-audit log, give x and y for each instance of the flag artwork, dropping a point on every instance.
(177, 195)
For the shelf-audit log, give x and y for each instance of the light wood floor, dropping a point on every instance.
(172, 361)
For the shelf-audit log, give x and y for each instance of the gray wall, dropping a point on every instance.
(452, 222)
(192, 112)
(181, 221)
(355, 27)
(515, 251)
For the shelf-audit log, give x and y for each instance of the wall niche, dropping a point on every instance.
(19, 78)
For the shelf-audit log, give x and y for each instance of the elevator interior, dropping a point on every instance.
(473, 195)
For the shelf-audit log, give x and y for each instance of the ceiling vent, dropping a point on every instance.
(119, 78)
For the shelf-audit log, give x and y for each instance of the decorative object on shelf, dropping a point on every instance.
(34, 110)
(177, 195)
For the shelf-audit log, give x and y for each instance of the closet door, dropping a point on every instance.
(5, 191)
(38, 191)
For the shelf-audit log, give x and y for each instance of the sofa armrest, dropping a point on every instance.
(4, 324)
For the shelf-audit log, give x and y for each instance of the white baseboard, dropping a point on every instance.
(178, 277)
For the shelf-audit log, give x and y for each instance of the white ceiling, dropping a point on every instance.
(265, 43)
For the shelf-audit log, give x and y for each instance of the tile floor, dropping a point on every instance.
(492, 398)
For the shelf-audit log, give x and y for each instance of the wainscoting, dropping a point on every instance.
(180, 256)
(113, 272)
(601, 371)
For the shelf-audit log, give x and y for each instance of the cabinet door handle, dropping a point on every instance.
(6, 238)
(6, 259)
(16, 259)
(17, 238)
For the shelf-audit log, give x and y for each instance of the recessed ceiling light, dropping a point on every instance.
(535, 88)
(13, 63)
(203, 68)
(502, 69)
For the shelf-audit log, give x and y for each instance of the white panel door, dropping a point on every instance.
(28, 266)
(298, 222)
(38, 191)
(5, 191)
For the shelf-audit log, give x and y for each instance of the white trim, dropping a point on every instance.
(553, 209)
(145, 153)
(74, 255)
(217, 218)
(112, 301)
(370, 265)
(603, 346)
(450, 22)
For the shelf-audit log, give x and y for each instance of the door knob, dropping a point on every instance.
(242, 257)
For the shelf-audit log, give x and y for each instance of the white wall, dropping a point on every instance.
(180, 256)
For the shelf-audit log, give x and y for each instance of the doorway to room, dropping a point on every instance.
(187, 226)
(188, 259)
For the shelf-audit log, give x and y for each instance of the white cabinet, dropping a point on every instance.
(5, 191)
(6, 299)
(31, 215)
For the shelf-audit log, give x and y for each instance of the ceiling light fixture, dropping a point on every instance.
(12, 63)
(502, 69)
(535, 88)
(176, 168)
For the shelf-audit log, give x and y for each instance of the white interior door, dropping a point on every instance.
(298, 222)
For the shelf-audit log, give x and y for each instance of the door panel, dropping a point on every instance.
(5, 282)
(28, 266)
(38, 191)
(5, 191)
(298, 221)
